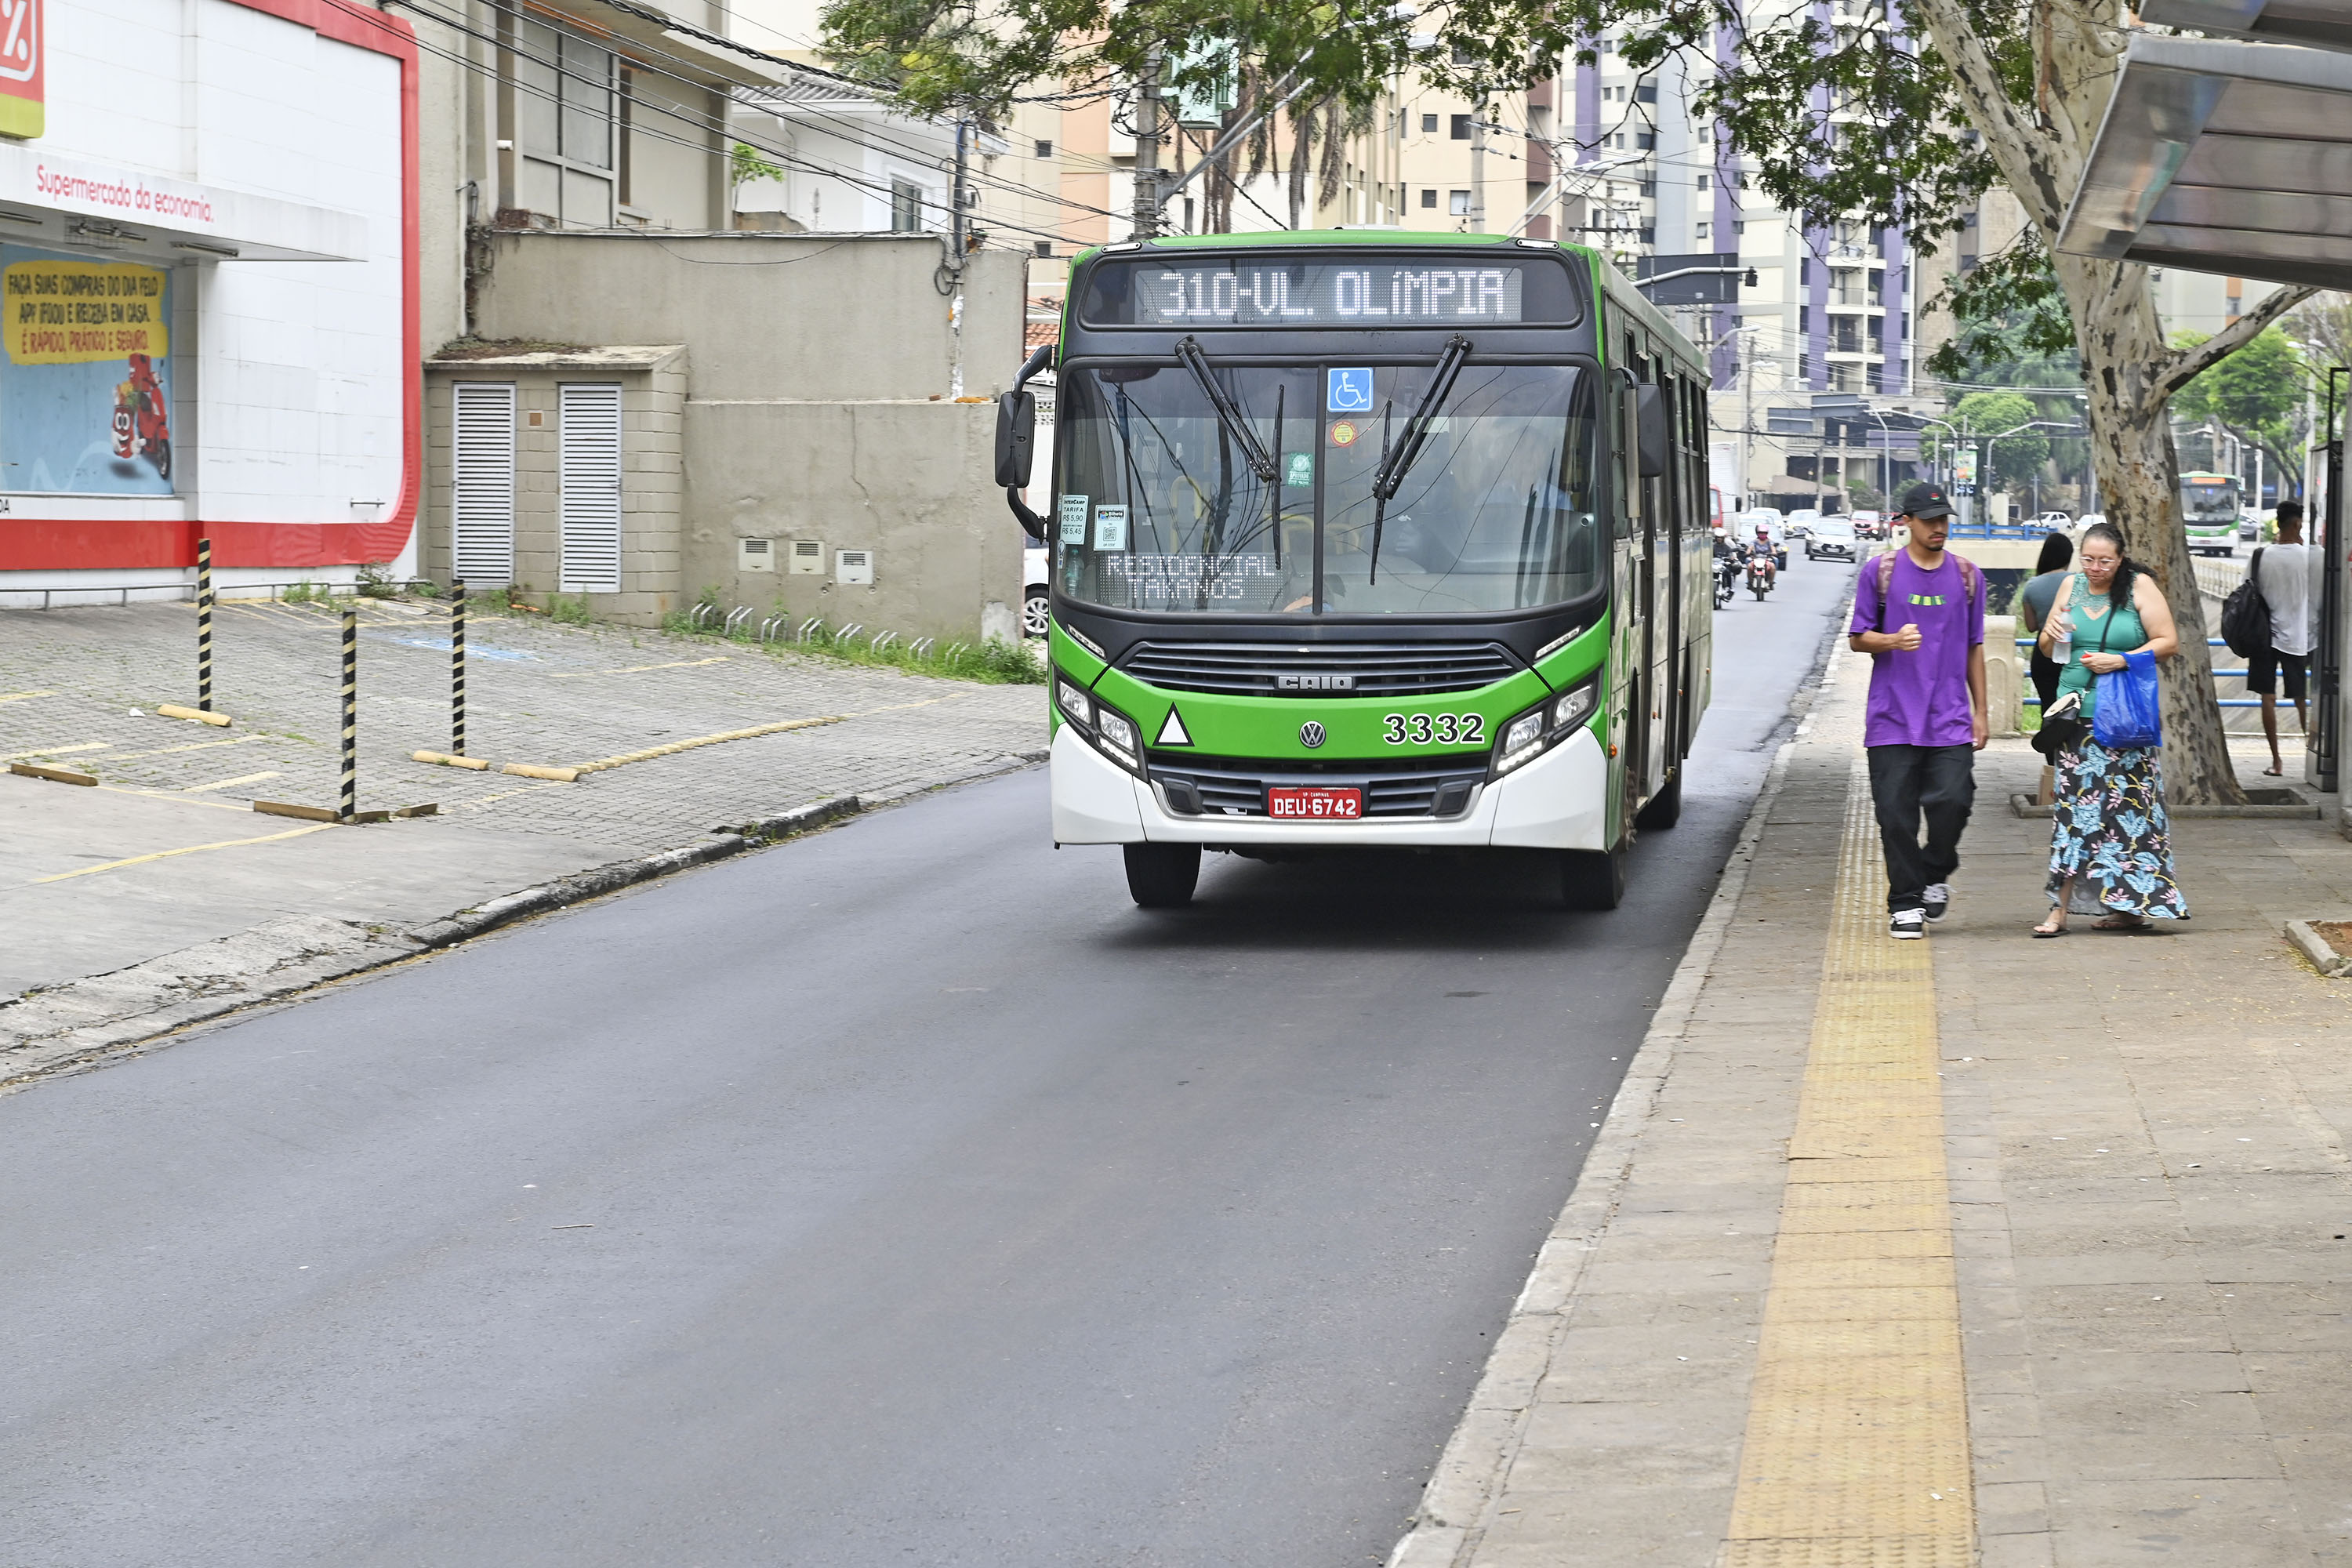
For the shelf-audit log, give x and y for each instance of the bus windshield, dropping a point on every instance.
(2210, 497)
(1164, 504)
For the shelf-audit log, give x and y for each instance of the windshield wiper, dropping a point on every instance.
(1189, 354)
(1398, 460)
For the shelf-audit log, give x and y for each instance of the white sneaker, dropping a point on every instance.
(1907, 925)
(1938, 897)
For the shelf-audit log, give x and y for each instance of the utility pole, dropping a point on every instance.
(1479, 167)
(960, 198)
(1147, 149)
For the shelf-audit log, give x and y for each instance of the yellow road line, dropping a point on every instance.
(58, 752)
(1857, 1446)
(191, 849)
(192, 746)
(640, 668)
(170, 794)
(229, 784)
(23, 696)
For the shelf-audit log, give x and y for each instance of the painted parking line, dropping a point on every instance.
(191, 849)
(23, 696)
(230, 784)
(1857, 1444)
(58, 752)
(640, 668)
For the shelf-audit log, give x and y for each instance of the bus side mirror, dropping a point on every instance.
(1016, 443)
(1650, 427)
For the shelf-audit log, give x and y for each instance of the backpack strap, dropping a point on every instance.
(1886, 585)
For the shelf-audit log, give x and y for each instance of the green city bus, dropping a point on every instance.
(1366, 539)
(2209, 506)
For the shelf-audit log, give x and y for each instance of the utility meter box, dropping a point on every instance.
(807, 558)
(755, 555)
(853, 567)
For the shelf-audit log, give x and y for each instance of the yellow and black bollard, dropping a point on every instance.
(203, 625)
(458, 668)
(351, 797)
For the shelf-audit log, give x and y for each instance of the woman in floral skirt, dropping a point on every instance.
(2109, 853)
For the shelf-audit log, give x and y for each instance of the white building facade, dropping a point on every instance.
(208, 244)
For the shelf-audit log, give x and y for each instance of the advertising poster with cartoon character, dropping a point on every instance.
(86, 383)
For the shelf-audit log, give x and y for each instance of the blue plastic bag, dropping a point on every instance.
(2129, 712)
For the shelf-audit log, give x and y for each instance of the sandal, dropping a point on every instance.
(2046, 929)
(2119, 922)
(2273, 773)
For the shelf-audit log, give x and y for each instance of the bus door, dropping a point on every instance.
(1630, 592)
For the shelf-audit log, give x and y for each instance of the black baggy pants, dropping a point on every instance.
(1907, 783)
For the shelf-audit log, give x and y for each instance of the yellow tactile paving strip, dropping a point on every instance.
(1856, 1453)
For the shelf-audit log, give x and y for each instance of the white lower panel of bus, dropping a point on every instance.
(1560, 801)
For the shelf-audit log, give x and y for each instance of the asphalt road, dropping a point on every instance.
(900, 1196)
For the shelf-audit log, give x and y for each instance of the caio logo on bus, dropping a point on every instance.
(21, 84)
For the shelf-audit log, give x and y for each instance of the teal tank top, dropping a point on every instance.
(2120, 630)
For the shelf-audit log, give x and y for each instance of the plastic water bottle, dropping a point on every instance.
(2062, 635)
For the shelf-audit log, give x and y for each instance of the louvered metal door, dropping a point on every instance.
(591, 441)
(481, 502)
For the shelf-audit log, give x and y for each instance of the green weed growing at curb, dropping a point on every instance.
(995, 661)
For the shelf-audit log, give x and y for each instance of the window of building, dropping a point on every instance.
(1702, 229)
(1429, 123)
(1804, 318)
(1645, 92)
(1428, 197)
(1620, 139)
(1458, 203)
(1703, 180)
(1646, 140)
(906, 207)
(1461, 128)
(565, 110)
(1045, 149)
(1462, 57)
(1044, 248)
(1804, 269)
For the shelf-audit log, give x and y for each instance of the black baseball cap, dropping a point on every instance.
(1924, 500)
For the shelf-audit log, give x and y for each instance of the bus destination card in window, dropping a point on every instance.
(1421, 292)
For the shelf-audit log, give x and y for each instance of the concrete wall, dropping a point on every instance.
(652, 397)
(822, 385)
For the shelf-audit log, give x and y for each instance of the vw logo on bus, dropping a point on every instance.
(1310, 734)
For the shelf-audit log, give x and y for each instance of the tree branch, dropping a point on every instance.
(2181, 366)
(2010, 135)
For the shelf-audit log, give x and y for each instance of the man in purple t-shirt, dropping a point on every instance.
(1919, 614)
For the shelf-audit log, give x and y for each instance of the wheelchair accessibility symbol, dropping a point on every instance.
(1351, 391)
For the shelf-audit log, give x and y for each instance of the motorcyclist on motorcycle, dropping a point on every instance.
(1762, 553)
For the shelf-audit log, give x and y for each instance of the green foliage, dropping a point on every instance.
(2009, 308)
(375, 581)
(2258, 395)
(572, 611)
(744, 165)
(307, 593)
(494, 601)
(2013, 459)
(423, 588)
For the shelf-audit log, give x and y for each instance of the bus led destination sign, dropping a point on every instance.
(1354, 294)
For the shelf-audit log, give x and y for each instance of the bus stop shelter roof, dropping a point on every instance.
(2321, 24)
(2224, 156)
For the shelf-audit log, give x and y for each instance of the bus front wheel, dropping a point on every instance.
(1162, 876)
(1593, 878)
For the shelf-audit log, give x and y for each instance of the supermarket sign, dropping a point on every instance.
(21, 84)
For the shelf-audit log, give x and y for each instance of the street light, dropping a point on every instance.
(2011, 431)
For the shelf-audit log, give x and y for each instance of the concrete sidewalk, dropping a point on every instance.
(1975, 1251)
(166, 858)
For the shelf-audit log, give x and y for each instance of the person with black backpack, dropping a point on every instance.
(2281, 574)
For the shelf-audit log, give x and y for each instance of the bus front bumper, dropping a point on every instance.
(1560, 801)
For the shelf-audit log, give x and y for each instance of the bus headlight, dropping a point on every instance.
(1074, 703)
(1117, 732)
(1527, 736)
(1522, 738)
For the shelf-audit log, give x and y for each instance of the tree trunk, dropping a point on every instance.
(2122, 344)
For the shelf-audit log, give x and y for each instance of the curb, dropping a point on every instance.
(2315, 947)
(1453, 1516)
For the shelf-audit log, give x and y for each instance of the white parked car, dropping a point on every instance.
(2057, 520)
(1801, 521)
(1036, 603)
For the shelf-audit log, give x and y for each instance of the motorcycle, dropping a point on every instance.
(1727, 577)
(1760, 573)
(141, 425)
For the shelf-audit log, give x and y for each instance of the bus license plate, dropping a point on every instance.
(1315, 805)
